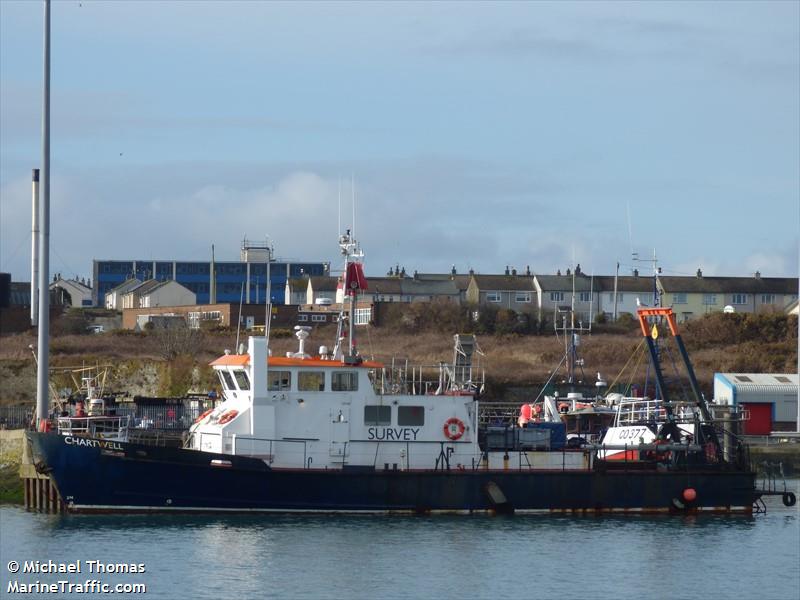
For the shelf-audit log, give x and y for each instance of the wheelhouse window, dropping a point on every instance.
(279, 380)
(344, 381)
(227, 380)
(311, 381)
(241, 379)
(377, 415)
(409, 416)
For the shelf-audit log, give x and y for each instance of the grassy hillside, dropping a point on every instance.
(150, 363)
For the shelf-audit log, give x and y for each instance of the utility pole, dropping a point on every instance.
(42, 398)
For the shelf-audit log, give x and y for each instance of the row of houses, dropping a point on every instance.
(539, 295)
(542, 294)
(152, 293)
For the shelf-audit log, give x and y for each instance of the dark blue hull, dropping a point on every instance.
(97, 476)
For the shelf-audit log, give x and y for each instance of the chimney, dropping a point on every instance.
(568, 272)
(699, 274)
(528, 270)
(758, 275)
(578, 269)
(472, 272)
(416, 275)
(558, 272)
(514, 272)
(636, 272)
(507, 270)
(453, 270)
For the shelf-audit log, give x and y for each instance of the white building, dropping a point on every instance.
(770, 400)
(152, 294)
(114, 295)
(73, 292)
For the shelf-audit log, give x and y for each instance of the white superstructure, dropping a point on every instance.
(315, 412)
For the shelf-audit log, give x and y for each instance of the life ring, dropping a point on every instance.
(454, 428)
(204, 415)
(228, 416)
(563, 407)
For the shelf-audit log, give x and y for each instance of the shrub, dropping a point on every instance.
(439, 315)
(487, 320)
(176, 377)
(736, 328)
(173, 339)
(73, 322)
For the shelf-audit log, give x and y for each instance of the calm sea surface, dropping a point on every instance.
(403, 557)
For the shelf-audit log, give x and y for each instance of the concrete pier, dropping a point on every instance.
(39, 491)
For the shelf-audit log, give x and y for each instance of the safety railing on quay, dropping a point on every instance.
(15, 417)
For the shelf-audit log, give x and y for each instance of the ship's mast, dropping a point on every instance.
(571, 333)
(351, 251)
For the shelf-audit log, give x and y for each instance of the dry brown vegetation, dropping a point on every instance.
(716, 343)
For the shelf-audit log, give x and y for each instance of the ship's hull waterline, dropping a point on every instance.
(101, 476)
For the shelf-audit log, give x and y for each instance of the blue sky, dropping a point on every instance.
(480, 135)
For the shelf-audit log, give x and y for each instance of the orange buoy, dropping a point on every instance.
(689, 494)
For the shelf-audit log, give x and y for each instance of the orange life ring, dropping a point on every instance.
(228, 416)
(204, 415)
(454, 428)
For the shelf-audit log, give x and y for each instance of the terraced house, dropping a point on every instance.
(695, 296)
(512, 291)
(554, 291)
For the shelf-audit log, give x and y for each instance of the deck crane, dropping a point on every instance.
(706, 433)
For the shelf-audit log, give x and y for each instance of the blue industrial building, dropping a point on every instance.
(245, 279)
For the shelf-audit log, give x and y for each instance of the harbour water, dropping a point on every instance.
(202, 556)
